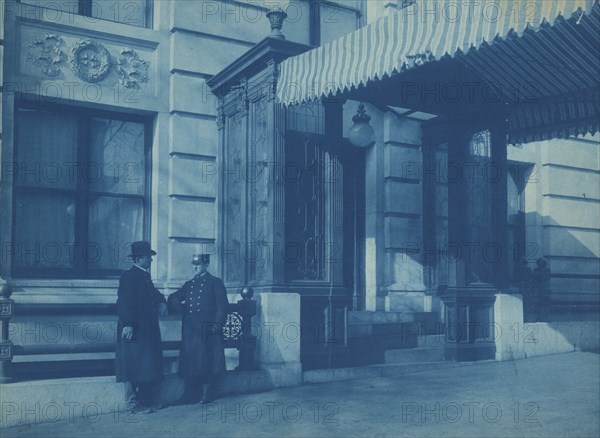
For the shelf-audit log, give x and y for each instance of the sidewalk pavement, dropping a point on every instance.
(549, 396)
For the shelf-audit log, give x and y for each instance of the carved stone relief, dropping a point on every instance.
(234, 208)
(90, 61)
(132, 70)
(46, 54)
(259, 178)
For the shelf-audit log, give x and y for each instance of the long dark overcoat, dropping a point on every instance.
(203, 302)
(140, 359)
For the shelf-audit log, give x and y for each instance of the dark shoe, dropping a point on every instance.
(136, 408)
(185, 401)
(131, 407)
(208, 394)
(146, 410)
(208, 398)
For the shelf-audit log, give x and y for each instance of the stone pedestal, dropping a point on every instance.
(277, 329)
(508, 321)
(469, 321)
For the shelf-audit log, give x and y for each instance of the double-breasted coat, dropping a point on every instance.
(139, 359)
(203, 302)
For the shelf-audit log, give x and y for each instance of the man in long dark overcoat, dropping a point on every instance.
(203, 302)
(139, 361)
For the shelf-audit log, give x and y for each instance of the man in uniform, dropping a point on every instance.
(203, 302)
(139, 361)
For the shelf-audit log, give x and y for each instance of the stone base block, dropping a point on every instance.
(508, 316)
(282, 375)
(405, 302)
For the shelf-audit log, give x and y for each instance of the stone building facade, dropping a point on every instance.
(110, 135)
(138, 65)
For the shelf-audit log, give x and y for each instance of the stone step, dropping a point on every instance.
(382, 317)
(382, 370)
(368, 317)
(405, 324)
(431, 340)
(393, 329)
(415, 355)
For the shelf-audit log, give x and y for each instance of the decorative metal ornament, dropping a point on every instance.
(276, 17)
(132, 70)
(247, 292)
(46, 54)
(6, 351)
(90, 61)
(232, 329)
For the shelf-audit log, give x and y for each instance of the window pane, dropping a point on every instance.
(116, 157)
(113, 224)
(47, 150)
(45, 230)
(480, 144)
(132, 12)
(69, 6)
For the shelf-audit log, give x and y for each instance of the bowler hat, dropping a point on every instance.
(141, 248)
(200, 259)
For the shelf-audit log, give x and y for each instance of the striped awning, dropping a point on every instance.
(467, 30)
(561, 117)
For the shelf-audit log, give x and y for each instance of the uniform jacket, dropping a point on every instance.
(140, 359)
(203, 302)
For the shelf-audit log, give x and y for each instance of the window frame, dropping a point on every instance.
(81, 193)
(84, 9)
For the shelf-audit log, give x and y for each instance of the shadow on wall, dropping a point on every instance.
(573, 258)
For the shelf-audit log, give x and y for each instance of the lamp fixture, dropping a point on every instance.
(361, 134)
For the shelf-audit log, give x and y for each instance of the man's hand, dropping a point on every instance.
(127, 333)
(162, 309)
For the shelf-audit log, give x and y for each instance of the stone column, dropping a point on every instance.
(234, 153)
(374, 251)
(265, 179)
(403, 209)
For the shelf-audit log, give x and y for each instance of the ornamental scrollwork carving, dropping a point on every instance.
(132, 70)
(242, 97)
(46, 54)
(90, 61)
(220, 118)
